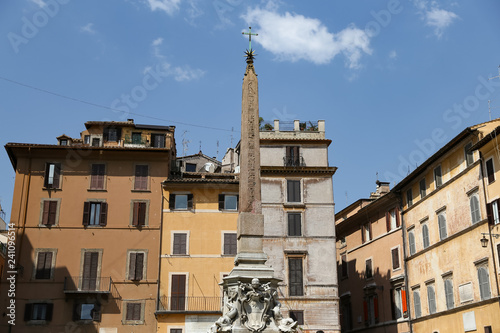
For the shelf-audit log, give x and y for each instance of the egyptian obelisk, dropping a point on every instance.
(250, 290)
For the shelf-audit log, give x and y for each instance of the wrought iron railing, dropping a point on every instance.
(80, 284)
(190, 304)
(294, 161)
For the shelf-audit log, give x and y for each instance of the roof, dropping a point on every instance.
(204, 177)
(487, 138)
(200, 154)
(128, 123)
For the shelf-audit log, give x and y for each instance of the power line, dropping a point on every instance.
(110, 108)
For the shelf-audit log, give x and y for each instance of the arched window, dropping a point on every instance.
(442, 226)
(425, 236)
(474, 208)
(416, 303)
(448, 290)
(484, 283)
(411, 241)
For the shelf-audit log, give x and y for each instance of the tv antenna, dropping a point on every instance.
(184, 143)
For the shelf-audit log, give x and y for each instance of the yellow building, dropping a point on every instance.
(452, 279)
(198, 246)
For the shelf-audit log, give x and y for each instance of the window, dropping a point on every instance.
(397, 303)
(52, 175)
(368, 269)
(91, 264)
(442, 225)
(141, 177)
(63, 142)
(97, 177)
(112, 134)
(294, 224)
(409, 198)
(345, 313)
(86, 139)
(136, 265)
(49, 212)
(87, 311)
(139, 213)
(136, 138)
(176, 330)
(38, 311)
(431, 298)
(422, 188)
(178, 292)
(228, 202)
(295, 276)
(293, 191)
(190, 167)
(490, 171)
(45, 262)
(292, 157)
(344, 265)
(230, 244)
(411, 242)
(297, 316)
(425, 236)
(95, 213)
(179, 246)
(392, 219)
(180, 201)
(134, 313)
(448, 291)
(366, 232)
(474, 208)
(469, 157)
(416, 303)
(493, 211)
(158, 140)
(438, 179)
(370, 308)
(484, 282)
(96, 142)
(395, 258)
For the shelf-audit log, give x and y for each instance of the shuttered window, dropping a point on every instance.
(469, 157)
(411, 242)
(178, 292)
(52, 175)
(44, 265)
(474, 208)
(90, 267)
(95, 213)
(493, 211)
(490, 171)
(442, 226)
(425, 236)
(409, 198)
(484, 283)
(448, 291)
(112, 134)
(293, 191)
(180, 202)
(141, 177)
(230, 244)
(294, 224)
(228, 202)
(158, 140)
(133, 311)
(49, 212)
(438, 180)
(395, 258)
(422, 188)
(292, 157)
(431, 299)
(392, 219)
(295, 276)
(368, 268)
(136, 266)
(417, 304)
(38, 311)
(97, 177)
(87, 311)
(180, 244)
(139, 214)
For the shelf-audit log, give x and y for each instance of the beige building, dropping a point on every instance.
(452, 279)
(372, 280)
(87, 215)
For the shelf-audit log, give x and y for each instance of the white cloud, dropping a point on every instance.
(434, 16)
(293, 37)
(393, 54)
(179, 73)
(40, 3)
(168, 6)
(88, 28)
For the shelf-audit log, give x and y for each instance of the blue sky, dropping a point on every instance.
(394, 80)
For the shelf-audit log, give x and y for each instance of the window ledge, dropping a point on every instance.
(97, 190)
(228, 255)
(51, 188)
(145, 191)
(294, 204)
(180, 255)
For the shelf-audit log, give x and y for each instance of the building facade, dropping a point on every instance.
(198, 248)
(87, 216)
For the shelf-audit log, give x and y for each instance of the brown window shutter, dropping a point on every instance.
(135, 217)
(489, 213)
(52, 212)
(76, 311)
(289, 190)
(130, 311)
(178, 292)
(131, 265)
(363, 238)
(46, 210)
(365, 310)
(46, 177)
(103, 219)
(40, 266)
(50, 310)
(177, 246)
(96, 313)
(370, 230)
(395, 258)
(139, 265)
(190, 201)
(28, 309)
(297, 190)
(171, 201)
(375, 308)
(221, 201)
(86, 213)
(57, 175)
(47, 265)
(398, 217)
(388, 221)
(142, 213)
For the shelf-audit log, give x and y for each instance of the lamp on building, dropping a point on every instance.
(484, 240)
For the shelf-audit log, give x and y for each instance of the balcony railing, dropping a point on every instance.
(190, 304)
(81, 285)
(294, 161)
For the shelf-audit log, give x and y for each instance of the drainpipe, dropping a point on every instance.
(481, 159)
(25, 217)
(403, 228)
(161, 242)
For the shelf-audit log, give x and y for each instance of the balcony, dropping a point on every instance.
(81, 285)
(294, 161)
(192, 304)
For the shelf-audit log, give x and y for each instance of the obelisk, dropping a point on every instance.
(250, 290)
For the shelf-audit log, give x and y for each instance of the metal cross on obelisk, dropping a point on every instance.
(250, 34)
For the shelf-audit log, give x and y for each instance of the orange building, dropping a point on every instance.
(87, 215)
